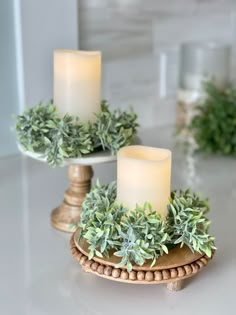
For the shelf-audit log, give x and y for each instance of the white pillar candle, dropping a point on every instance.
(144, 175)
(77, 83)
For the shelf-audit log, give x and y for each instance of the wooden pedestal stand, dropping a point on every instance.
(186, 107)
(171, 269)
(68, 213)
(80, 175)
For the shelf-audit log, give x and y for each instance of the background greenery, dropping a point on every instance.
(214, 126)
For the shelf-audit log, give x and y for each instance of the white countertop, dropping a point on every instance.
(39, 276)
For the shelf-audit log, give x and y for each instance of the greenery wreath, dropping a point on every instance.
(40, 129)
(140, 235)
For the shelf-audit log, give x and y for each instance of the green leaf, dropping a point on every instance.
(137, 235)
(99, 254)
(91, 254)
(129, 266)
(165, 249)
(213, 127)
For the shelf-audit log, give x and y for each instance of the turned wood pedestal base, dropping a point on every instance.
(171, 269)
(68, 213)
(80, 175)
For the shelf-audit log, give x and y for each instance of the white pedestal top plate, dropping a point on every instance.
(89, 159)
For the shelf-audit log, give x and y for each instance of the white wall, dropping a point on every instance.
(29, 32)
(46, 25)
(8, 77)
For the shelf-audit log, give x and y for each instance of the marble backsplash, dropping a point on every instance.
(140, 43)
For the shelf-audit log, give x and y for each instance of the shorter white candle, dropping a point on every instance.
(77, 83)
(144, 175)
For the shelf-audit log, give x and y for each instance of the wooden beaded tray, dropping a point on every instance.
(171, 269)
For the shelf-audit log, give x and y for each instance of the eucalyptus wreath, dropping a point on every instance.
(214, 125)
(40, 129)
(141, 234)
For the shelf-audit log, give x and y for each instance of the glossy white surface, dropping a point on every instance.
(39, 277)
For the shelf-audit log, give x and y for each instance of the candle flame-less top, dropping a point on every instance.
(77, 82)
(143, 175)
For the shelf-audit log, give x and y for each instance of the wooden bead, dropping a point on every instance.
(158, 275)
(116, 273)
(194, 267)
(100, 269)
(124, 275)
(94, 266)
(188, 270)
(132, 275)
(88, 263)
(74, 251)
(204, 260)
(140, 275)
(78, 256)
(172, 276)
(181, 272)
(166, 274)
(149, 276)
(108, 271)
(200, 264)
(83, 260)
(173, 273)
(72, 242)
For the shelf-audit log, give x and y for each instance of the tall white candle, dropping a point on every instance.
(144, 175)
(77, 83)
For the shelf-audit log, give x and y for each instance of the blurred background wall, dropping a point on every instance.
(140, 42)
(29, 32)
(8, 76)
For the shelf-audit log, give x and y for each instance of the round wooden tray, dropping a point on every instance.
(171, 269)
